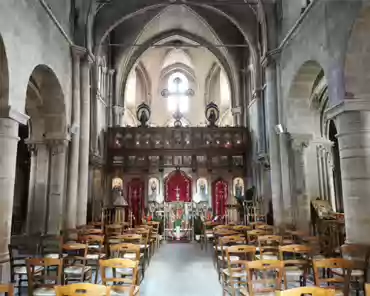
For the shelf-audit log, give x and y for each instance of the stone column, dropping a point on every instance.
(118, 114)
(31, 185)
(286, 178)
(56, 185)
(274, 151)
(352, 117)
(110, 98)
(302, 201)
(237, 113)
(71, 207)
(9, 120)
(83, 168)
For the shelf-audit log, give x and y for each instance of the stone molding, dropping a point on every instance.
(10, 112)
(348, 105)
(300, 141)
(270, 57)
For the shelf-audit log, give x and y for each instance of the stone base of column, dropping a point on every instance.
(5, 272)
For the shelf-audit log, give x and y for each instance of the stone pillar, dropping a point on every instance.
(274, 151)
(110, 98)
(302, 208)
(285, 161)
(237, 113)
(31, 185)
(9, 120)
(71, 207)
(118, 115)
(56, 185)
(352, 117)
(83, 168)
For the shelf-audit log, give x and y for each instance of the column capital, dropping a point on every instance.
(347, 105)
(323, 143)
(236, 110)
(119, 109)
(270, 57)
(111, 72)
(300, 141)
(78, 51)
(10, 112)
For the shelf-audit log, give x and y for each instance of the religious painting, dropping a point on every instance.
(118, 196)
(238, 187)
(220, 189)
(178, 187)
(202, 191)
(153, 190)
(135, 192)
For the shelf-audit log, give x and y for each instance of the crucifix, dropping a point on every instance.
(177, 189)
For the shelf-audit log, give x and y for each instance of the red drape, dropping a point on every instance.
(135, 189)
(220, 196)
(178, 181)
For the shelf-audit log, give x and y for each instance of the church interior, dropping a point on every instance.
(184, 147)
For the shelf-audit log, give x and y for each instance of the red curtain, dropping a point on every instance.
(220, 196)
(135, 189)
(178, 182)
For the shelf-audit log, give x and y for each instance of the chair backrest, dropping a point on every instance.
(257, 223)
(264, 275)
(367, 289)
(76, 254)
(314, 291)
(267, 228)
(252, 235)
(244, 252)
(7, 289)
(242, 228)
(120, 250)
(131, 237)
(145, 233)
(51, 244)
(43, 272)
(269, 245)
(341, 278)
(116, 264)
(95, 243)
(82, 289)
(113, 229)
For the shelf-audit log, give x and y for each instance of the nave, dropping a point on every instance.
(181, 269)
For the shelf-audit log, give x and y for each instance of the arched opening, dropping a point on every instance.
(33, 203)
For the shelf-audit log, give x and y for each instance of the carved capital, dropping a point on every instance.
(236, 110)
(78, 51)
(300, 141)
(270, 58)
(349, 104)
(10, 112)
(111, 72)
(57, 146)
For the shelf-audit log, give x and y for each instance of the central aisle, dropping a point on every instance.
(181, 269)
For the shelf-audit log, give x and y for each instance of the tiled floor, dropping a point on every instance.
(181, 269)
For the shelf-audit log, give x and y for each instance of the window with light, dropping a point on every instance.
(178, 86)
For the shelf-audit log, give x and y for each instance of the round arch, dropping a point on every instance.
(304, 116)
(45, 104)
(4, 75)
(357, 59)
(140, 50)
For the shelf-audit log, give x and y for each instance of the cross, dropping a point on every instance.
(177, 94)
(177, 189)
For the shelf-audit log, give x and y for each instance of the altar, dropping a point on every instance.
(178, 207)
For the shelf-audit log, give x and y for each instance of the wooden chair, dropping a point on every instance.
(225, 243)
(70, 235)
(144, 245)
(367, 289)
(297, 260)
(75, 267)
(113, 229)
(268, 228)
(81, 289)
(155, 233)
(235, 275)
(51, 246)
(314, 291)
(257, 223)
(252, 236)
(126, 269)
(7, 289)
(95, 251)
(264, 276)
(340, 283)
(269, 246)
(129, 251)
(207, 233)
(41, 283)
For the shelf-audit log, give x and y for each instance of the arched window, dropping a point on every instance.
(178, 88)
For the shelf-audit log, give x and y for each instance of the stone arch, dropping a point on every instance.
(177, 55)
(226, 64)
(357, 59)
(303, 115)
(213, 73)
(146, 83)
(4, 76)
(45, 104)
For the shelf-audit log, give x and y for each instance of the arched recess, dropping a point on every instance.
(47, 126)
(313, 154)
(211, 84)
(357, 60)
(227, 66)
(4, 76)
